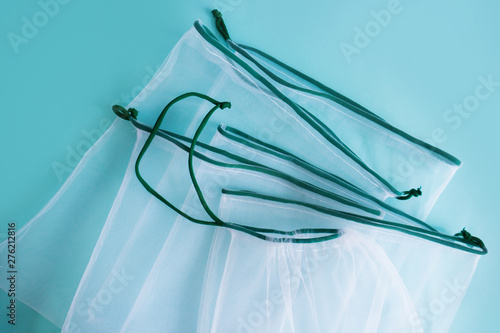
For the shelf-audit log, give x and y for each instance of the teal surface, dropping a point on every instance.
(430, 68)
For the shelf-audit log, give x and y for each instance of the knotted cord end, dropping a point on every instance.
(124, 113)
(414, 192)
(224, 105)
(133, 113)
(472, 239)
(465, 234)
(219, 23)
(216, 13)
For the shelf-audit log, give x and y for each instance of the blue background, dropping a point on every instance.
(57, 86)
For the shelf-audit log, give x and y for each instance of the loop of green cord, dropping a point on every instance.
(253, 231)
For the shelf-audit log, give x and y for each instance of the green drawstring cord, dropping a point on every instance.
(204, 203)
(219, 23)
(253, 231)
(411, 193)
(148, 143)
(131, 114)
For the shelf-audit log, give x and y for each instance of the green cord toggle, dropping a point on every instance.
(414, 192)
(219, 23)
(124, 113)
(471, 239)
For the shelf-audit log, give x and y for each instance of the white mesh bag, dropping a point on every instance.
(397, 159)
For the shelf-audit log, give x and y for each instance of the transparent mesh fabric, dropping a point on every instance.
(401, 159)
(427, 280)
(286, 287)
(342, 285)
(55, 245)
